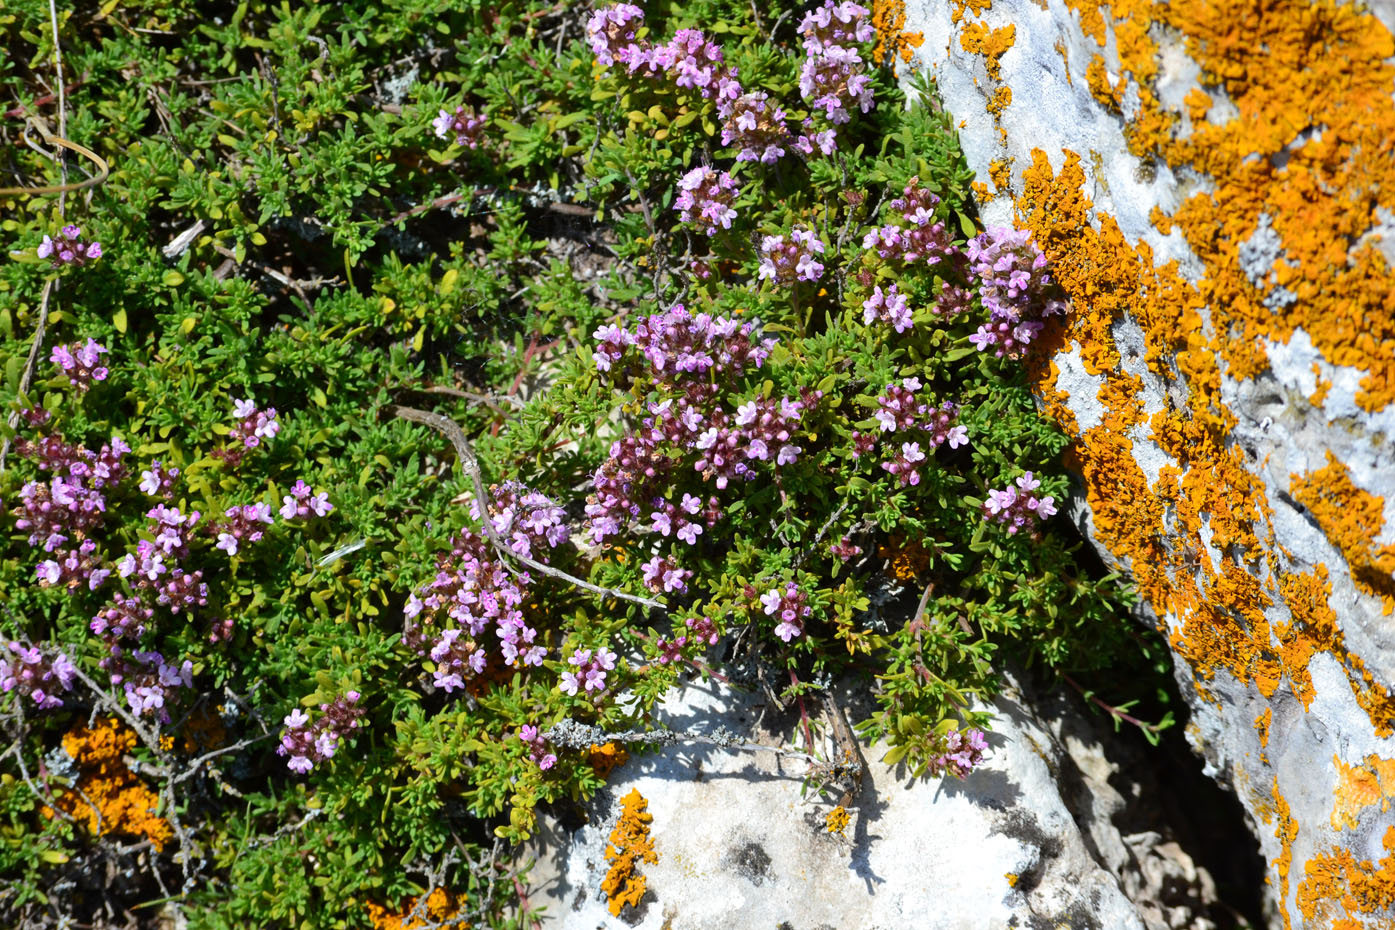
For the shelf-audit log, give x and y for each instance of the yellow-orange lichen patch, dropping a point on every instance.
(889, 19)
(440, 907)
(1001, 173)
(980, 39)
(957, 8)
(1351, 519)
(1262, 724)
(109, 798)
(1358, 787)
(998, 102)
(1338, 886)
(1311, 83)
(1286, 832)
(629, 844)
(905, 559)
(1313, 629)
(1322, 386)
(605, 759)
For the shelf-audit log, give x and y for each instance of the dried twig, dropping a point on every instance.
(466, 453)
(27, 376)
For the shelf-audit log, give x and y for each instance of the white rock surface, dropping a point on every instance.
(742, 845)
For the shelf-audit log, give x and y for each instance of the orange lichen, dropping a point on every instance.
(836, 820)
(905, 560)
(440, 907)
(1351, 519)
(605, 759)
(1262, 724)
(1311, 82)
(1000, 171)
(120, 803)
(629, 843)
(1336, 886)
(1060, 47)
(1198, 103)
(1286, 832)
(981, 192)
(980, 39)
(888, 18)
(1359, 787)
(203, 730)
(997, 103)
(1323, 386)
(958, 7)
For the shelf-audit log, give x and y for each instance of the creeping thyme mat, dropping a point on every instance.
(403, 397)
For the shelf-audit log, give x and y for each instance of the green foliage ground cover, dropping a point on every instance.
(344, 262)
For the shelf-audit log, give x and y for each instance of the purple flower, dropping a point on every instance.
(611, 29)
(829, 25)
(790, 605)
(705, 200)
(69, 249)
(81, 364)
(466, 126)
(888, 307)
(1019, 507)
(755, 128)
(789, 258)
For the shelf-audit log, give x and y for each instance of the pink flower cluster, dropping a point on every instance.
(790, 606)
(755, 127)
(899, 409)
(27, 671)
(149, 681)
(525, 519)
(841, 25)
(537, 746)
(1013, 284)
(253, 426)
(465, 125)
(701, 631)
(690, 59)
(303, 501)
(1019, 507)
(472, 591)
(69, 249)
(890, 307)
(244, 524)
(762, 430)
(833, 81)
(697, 358)
(705, 199)
(588, 670)
(158, 481)
(918, 236)
(680, 346)
(963, 752)
(307, 743)
(662, 574)
(81, 364)
(611, 32)
(789, 258)
(68, 507)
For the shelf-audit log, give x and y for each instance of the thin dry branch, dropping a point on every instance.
(466, 453)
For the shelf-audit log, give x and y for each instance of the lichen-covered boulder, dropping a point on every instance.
(1214, 183)
(702, 838)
